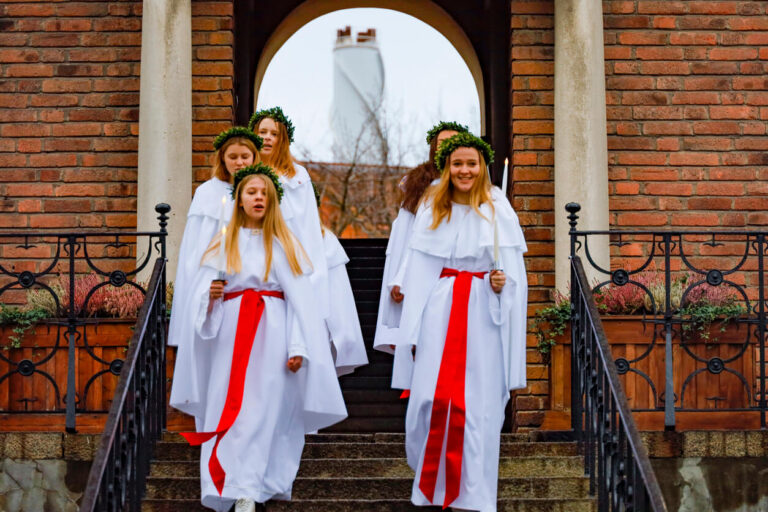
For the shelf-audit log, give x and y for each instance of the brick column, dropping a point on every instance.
(581, 153)
(165, 118)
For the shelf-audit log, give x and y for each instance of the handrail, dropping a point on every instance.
(137, 415)
(615, 458)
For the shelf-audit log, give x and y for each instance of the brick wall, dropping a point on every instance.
(69, 107)
(533, 128)
(687, 109)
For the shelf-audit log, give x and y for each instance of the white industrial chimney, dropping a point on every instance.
(358, 92)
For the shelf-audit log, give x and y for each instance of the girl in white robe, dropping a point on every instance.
(342, 323)
(413, 185)
(235, 149)
(259, 372)
(467, 360)
(298, 205)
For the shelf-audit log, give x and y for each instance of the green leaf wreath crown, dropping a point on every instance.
(275, 113)
(445, 125)
(462, 140)
(238, 131)
(257, 169)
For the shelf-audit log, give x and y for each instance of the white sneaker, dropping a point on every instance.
(245, 505)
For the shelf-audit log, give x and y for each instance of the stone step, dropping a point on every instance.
(310, 489)
(393, 467)
(504, 505)
(403, 505)
(378, 437)
(181, 451)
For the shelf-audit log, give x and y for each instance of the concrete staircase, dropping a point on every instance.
(368, 473)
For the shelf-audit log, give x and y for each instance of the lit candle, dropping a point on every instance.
(505, 177)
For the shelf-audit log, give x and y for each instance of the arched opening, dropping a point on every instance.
(362, 87)
(424, 10)
(480, 32)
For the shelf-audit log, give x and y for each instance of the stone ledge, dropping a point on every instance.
(751, 443)
(47, 445)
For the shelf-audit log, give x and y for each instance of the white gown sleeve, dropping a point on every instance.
(344, 324)
(421, 276)
(191, 372)
(198, 233)
(512, 316)
(323, 401)
(305, 224)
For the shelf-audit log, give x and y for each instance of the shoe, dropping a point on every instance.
(245, 505)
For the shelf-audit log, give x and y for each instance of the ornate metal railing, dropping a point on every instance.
(69, 272)
(699, 296)
(137, 416)
(615, 458)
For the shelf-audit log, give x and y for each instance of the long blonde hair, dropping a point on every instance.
(280, 158)
(219, 168)
(441, 194)
(274, 226)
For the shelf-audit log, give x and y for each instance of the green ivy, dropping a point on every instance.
(22, 320)
(702, 315)
(549, 323)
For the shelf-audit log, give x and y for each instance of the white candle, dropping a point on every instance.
(222, 265)
(495, 242)
(505, 177)
(222, 212)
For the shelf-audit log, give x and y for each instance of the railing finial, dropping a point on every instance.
(573, 209)
(163, 209)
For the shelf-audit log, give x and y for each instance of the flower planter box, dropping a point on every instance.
(631, 338)
(46, 347)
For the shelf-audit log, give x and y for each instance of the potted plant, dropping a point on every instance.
(706, 326)
(37, 332)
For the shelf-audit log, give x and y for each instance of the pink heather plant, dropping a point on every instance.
(106, 301)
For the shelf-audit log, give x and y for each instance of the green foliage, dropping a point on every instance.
(702, 315)
(22, 320)
(549, 323)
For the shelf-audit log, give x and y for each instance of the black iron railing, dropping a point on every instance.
(53, 265)
(137, 416)
(701, 302)
(615, 458)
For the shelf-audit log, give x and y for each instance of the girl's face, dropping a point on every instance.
(254, 200)
(465, 168)
(445, 134)
(268, 131)
(236, 157)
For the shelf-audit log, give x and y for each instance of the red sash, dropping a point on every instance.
(251, 309)
(449, 392)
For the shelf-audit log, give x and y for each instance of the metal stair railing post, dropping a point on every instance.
(137, 416)
(615, 458)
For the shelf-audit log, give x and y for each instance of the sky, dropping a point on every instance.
(426, 81)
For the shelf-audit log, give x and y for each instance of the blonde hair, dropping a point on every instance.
(280, 158)
(441, 194)
(274, 226)
(219, 168)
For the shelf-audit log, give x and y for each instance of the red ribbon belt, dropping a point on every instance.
(449, 392)
(251, 309)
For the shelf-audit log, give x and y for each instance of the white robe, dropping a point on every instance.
(300, 214)
(342, 323)
(299, 209)
(388, 318)
(201, 226)
(495, 357)
(261, 451)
